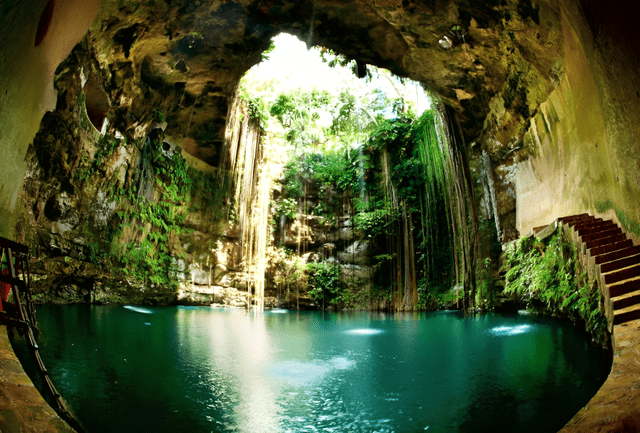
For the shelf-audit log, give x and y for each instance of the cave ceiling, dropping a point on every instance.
(185, 58)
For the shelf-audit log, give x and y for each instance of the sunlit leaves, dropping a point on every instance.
(546, 276)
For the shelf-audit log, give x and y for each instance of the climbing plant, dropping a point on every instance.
(546, 277)
(324, 282)
(142, 240)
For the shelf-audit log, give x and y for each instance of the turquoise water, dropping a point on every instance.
(175, 369)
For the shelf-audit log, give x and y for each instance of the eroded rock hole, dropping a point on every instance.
(96, 101)
(126, 37)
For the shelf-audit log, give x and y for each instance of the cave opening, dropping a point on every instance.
(96, 102)
(324, 130)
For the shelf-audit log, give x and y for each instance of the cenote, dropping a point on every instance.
(201, 369)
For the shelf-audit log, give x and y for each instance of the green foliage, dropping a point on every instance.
(105, 147)
(293, 187)
(287, 110)
(265, 54)
(258, 112)
(96, 253)
(332, 58)
(324, 280)
(397, 167)
(158, 115)
(487, 295)
(323, 210)
(297, 112)
(391, 133)
(355, 117)
(427, 299)
(412, 153)
(148, 245)
(546, 277)
(412, 184)
(375, 221)
(627, 222)
(288, 207)
(331, 169)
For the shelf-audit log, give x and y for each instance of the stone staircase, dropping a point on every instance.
(616, 261)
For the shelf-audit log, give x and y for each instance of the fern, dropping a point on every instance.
(545, 276)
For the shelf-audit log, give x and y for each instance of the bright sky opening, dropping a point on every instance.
(291, 66)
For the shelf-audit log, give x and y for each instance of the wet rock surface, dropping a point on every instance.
(22, 408)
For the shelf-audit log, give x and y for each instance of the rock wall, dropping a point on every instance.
(117, 219)
(32, 44)
(327, 239)
(584, 139)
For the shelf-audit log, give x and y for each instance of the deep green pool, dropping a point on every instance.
(177, 369)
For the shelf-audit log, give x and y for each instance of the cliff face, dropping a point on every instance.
(117, 219)
(583, 139)
(330, 241)
(547, 89)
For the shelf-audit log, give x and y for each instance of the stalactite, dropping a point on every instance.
(487, 179)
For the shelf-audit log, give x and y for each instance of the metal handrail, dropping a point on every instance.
(21, 314)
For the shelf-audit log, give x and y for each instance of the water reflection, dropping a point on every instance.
(218, 370)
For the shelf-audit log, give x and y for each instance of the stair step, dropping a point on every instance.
(626, 314)
(619, 289)
(588, 223)
(622, 274)
(619, 264)
(584, 229)
(592, 230)
(611, 247)
(625, 252)
(609, 231)
(626, 300)
(569, 217)
(574, 219)
(604, 241)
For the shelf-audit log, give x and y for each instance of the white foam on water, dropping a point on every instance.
(298, 373)
(341, 363)
(278, 311)
(364, 331)
(302, 373)
(138, 309)
(511, 330)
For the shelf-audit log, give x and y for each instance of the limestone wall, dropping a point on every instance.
(585, 138)
(26, 81)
